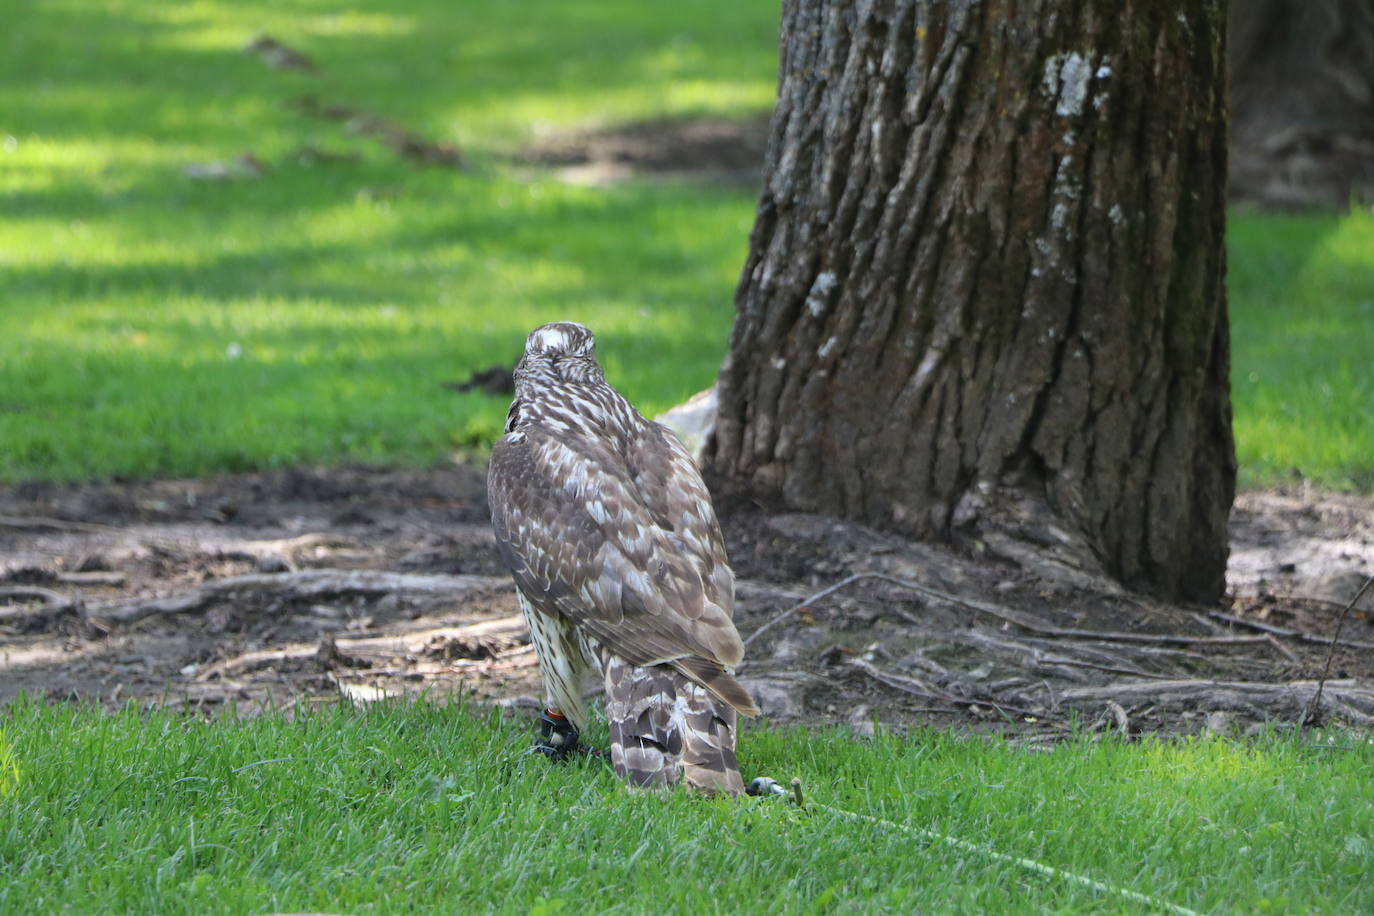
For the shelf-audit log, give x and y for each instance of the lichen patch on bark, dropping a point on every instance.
(985, 284)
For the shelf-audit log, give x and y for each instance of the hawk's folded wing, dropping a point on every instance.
(624, 544)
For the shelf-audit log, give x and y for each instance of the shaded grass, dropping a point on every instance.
(414, 808)
(154, 325)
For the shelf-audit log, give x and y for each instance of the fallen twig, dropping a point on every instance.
(1352, 699)
(1295, 634)
(1209, 624)
(523, 658)
(1028, 622)
(40, 523)
(1040, 657)
(923, 690)
(1315, 707)
(92, 577)
(805, 602)
(334, 652)
(1284, 650)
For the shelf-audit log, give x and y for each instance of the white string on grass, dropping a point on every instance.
(764, 785)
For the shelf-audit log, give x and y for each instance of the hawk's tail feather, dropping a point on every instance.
(666, 729)
(719, 681)
(708, 748)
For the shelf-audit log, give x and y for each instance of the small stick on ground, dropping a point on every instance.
(39, 523)
(1351, 699)
(1314, 708)
(1284, 650)
(1294, 634)
(919, 689)
(1039, 657)
(806, 602)
(93, 577)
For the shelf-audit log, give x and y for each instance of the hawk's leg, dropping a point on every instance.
(565, 661)
(558, 738)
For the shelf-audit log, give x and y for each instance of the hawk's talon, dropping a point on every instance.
(555, 754)
(558, 738)
(765, 786)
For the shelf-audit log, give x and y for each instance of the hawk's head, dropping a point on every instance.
(563, 351)
(561, 339)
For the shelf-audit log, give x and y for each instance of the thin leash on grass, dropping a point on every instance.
(766, 786)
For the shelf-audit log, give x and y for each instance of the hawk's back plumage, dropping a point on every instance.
(606, 525)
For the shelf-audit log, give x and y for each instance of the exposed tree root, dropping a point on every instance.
(26, 619)
(304, 585)
(1348, 698)
(1020, 618)
(919, 688)
(218, 602)
(1288, 633)
(40, 523)
(1191, 672)
(335, 654)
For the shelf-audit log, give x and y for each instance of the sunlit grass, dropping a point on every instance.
(485, 74)
(1302, 304)
(151, 324)
(418, 809)
(188, 346)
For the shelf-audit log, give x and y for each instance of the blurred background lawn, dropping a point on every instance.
(151, 324)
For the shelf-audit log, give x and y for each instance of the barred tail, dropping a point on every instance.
(666, 729)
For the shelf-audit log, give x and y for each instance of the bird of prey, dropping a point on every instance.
(620, 569)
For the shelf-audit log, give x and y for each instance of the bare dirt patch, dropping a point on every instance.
(714, 149)
(362, 583)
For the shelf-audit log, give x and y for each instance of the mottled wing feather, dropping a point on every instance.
(671, 488)
(584, 537)
(540, 536)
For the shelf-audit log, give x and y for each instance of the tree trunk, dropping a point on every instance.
(1302, 101)
(984, 295)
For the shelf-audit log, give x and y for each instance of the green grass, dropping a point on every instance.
(422, 809)
(150, 324)
(1302, 336)
(155, 325)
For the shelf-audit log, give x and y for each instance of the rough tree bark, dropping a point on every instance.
(1302, 101)
(984, 294)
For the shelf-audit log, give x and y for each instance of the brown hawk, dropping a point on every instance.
(620, 568)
